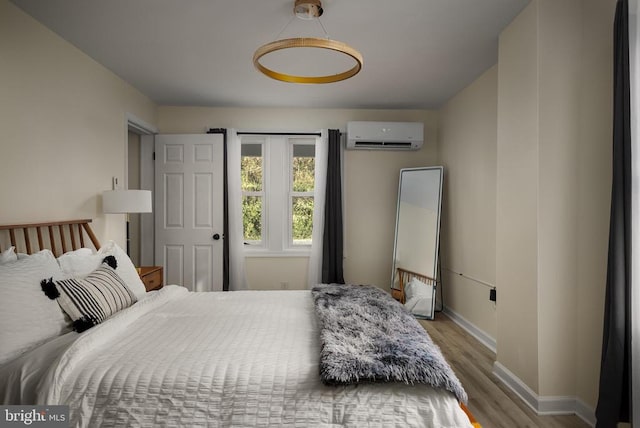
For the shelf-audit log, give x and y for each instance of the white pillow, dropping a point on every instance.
(419, 298)
(417, 288)
(79, 265)
(27, 316)
(8, 255)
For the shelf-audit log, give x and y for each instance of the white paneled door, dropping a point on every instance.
(189, 209)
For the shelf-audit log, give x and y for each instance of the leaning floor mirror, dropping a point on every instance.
(415, 252)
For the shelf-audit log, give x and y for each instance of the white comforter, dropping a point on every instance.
(237, 359)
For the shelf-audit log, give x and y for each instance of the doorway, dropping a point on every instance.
(139, 175)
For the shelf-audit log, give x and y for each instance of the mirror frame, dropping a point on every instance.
(433, 274)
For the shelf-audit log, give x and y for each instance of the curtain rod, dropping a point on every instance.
(312, 134)
(223, 131)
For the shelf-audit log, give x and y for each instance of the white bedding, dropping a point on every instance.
(220, 359)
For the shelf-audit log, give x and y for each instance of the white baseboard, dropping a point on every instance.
(471, 328)
(516, 385)
(544, 405)
(585, 412)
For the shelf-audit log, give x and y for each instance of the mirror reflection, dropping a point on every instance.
(415, 253)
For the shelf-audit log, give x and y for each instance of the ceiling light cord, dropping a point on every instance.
(285, 27)
(323, 29)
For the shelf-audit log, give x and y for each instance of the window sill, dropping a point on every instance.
(267, 253)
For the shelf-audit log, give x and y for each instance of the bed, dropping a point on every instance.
(180, 358)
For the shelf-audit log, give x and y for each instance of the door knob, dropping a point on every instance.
(216, 236)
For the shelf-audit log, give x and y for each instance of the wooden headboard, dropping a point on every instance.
(58, 236)
(404, 276)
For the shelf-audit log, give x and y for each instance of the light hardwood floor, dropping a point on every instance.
(490, 401)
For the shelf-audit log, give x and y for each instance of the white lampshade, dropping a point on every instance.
(126, 201)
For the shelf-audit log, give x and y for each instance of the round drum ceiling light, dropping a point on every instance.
(308, 9)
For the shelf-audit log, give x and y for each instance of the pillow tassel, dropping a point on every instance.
(111, 261)
(82, 324)
(49, 288)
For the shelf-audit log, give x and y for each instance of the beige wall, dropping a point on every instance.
(594, 190)
(62, 127)
(467, 148)
(517, 197)
(559, 43)
(273, 273)
(546, 168)
(551, 253)
(370, 182)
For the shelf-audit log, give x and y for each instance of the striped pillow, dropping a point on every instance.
(91, 300)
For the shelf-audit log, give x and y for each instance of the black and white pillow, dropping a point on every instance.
(93, 299)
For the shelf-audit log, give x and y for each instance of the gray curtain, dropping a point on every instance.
(614, 402)
(332, 242)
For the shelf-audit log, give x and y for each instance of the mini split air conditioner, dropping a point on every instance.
(385, 135)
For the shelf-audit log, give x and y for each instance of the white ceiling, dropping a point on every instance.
(417, 53)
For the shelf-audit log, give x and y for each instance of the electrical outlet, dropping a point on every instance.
(284, 285)
(492, 294)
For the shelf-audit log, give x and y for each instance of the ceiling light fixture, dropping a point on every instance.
(308, 10)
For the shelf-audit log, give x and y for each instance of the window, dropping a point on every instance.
(278, 181)
(301, 193)
(252, 192)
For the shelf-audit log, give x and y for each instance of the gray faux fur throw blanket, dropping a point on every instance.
(367, 336)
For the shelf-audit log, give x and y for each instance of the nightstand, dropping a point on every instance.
(151, 277)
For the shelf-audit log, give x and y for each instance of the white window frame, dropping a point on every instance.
(263, 226)
(306, 141)
(277, 152)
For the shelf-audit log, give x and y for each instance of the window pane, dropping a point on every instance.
(251, 167)
(302, 221)
(252, 218)
(303, 167)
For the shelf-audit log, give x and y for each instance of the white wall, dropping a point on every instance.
(371, 183)
(63, 127)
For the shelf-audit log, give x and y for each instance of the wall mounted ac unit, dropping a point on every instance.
(385, 135)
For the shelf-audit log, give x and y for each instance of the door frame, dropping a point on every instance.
(147, 221)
